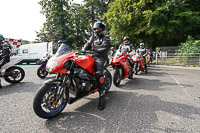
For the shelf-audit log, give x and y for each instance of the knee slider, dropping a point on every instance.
(101, 80)
(100, 77)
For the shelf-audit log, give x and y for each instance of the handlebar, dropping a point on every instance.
(87, 52)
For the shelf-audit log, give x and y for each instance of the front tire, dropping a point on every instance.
(136, 68)
(116, 76)
(130, 74)
(14, 74)
(45, 105)
(145, 69)
(41, 72)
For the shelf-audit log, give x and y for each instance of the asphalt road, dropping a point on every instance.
(166, 100)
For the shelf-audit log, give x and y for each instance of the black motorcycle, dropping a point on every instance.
(41, 71)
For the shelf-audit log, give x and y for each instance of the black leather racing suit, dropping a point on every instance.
(5, 50)
(128, 49)
(143, 53)
(100, 45)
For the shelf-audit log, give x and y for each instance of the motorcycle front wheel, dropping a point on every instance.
(14, 74)
(130, 73)
(136, 68)
(116, 76)
(41, 72)
(46, 103)
(145, 69)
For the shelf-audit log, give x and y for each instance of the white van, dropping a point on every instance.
(33, 52)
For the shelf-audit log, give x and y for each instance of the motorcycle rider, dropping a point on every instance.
(100, 45)
(150, 55)
(63, 46)
(128, 48)
(112, 51)
(59, 43)
(5, 50)
(143, 52)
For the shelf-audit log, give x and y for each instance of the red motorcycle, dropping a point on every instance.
(139, 64)
(122, 68)
(76, 79)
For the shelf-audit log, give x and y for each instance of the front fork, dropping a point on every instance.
(66, 82)
(62, 89)
(138, 66)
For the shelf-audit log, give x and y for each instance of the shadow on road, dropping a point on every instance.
(124, 112)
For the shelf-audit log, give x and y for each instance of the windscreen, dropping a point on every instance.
(118, 53)
(62, 49)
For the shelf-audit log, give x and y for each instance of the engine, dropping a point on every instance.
(83, 80)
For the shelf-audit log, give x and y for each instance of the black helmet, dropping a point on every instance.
(60, 41)
(99, 24)
(126, 38)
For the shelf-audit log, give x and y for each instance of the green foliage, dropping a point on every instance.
(70, 22)
(188, 50)
(56, 25)
(158, 23)
(155, 22)
(190, 46)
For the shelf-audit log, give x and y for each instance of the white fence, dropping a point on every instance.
(184, 59)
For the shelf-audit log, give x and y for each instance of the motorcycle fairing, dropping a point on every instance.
(124, 63)
(61, 61)
(13, 60)
(140, 60)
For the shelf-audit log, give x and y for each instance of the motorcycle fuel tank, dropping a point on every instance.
(86, 62)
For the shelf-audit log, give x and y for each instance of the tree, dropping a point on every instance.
(55, 28)
(190, 46)
(79, 25)
(156, 22)
(70, 22)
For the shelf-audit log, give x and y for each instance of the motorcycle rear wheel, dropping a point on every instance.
(14, 74)
(44, 103)
(41, 72)
(108, 80)
(116, 77)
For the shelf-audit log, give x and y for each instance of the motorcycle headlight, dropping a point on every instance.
(51, 65)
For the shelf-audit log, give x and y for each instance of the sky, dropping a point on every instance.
(19, 19)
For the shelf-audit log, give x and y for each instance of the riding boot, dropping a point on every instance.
(0, 84)
(101, 105)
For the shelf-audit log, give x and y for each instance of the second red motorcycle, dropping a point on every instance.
(139, 64)
(122, 67)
